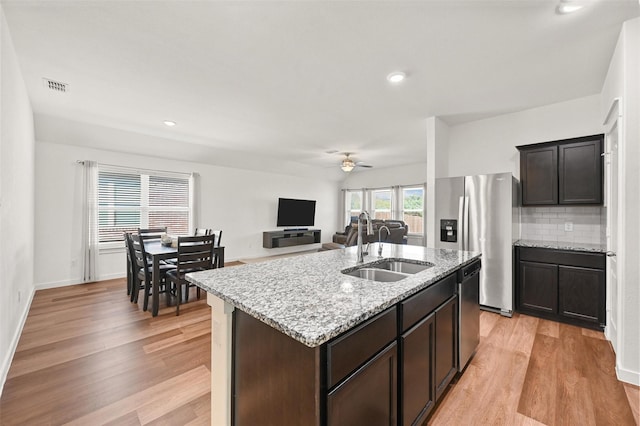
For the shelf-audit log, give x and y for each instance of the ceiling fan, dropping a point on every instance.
(348, 164)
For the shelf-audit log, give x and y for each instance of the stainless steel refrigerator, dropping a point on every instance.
(480, 213)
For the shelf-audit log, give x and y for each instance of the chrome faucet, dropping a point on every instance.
(379, 239)
(364, 215)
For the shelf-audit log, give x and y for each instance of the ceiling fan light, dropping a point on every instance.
(347, 165)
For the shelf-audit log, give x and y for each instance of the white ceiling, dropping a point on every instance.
(284, 82)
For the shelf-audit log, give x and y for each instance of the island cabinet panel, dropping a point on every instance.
(368, 396)
(349, 351)
(417, 371)
(275, 377)
(446, 346)
(419, 305)
(562, 285)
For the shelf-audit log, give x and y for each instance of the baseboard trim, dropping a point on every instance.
(6, 362)
(628, 376)
(64, 283)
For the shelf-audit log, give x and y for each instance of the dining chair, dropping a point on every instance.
(144, 277)
(218, 235)
(132, 270)
(194, 254)
(202, 231)
(152, 232)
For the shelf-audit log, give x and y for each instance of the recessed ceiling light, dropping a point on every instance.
(169, 123)
(396, 77)
(564, 8)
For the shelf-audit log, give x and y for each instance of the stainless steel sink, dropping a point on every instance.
(375, 274)
(401, 266)
(389, 270)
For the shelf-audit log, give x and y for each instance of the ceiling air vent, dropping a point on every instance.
(56, 85)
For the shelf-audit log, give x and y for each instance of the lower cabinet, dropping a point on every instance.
(368, 396)
(446, 348)
(562, 285)
(389, 370)
(429, 350)
(418, 364)
(538, 287)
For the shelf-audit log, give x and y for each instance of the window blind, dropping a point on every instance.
(129, 199)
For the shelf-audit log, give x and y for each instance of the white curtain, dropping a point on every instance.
(90, 221)
(194, 201)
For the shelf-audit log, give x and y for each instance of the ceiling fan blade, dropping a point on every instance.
(363, 165)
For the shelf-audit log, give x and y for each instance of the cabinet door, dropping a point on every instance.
(538, 287)
(446, 349)
(539, 176)
(582, 293)
(417, 369)
(580, 172)
(368, 396)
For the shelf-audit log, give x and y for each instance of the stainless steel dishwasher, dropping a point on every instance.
(469, 312)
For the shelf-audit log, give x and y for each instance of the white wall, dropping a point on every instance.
(16, 200)
(623, 81)
(488, 146)
(242, 203)
(383, 177)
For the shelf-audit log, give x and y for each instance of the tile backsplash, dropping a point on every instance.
(548, 224)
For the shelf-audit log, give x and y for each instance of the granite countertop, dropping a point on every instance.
(560, 245)
(308, 298)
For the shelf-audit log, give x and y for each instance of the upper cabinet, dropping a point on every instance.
(566, 172)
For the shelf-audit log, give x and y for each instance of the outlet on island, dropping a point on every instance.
(568, 226)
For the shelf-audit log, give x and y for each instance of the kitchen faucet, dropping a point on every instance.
(364, 215)
(379, 239)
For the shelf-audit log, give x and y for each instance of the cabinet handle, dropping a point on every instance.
(611, 253)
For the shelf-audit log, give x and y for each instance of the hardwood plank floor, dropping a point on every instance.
(530, 371)
(87, 356)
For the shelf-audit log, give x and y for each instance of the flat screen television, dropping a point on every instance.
(293, 212)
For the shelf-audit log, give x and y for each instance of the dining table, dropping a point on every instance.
(159, 252)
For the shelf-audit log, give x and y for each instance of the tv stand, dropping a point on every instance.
(290, 237)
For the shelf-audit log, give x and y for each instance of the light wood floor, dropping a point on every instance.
(87, 356)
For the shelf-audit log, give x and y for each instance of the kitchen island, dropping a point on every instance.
(297, 341)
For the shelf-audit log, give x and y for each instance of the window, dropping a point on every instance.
(353, 205)
(381, 204)
(404, 203)
(129, 199)
(413, 208)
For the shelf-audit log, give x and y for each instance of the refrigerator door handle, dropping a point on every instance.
(465, 224)
(461, 223)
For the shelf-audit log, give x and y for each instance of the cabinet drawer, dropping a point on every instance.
(349, 351)
(421, 304)
(563, 257)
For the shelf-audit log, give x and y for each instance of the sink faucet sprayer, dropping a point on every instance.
(364, 215)
(380, 240)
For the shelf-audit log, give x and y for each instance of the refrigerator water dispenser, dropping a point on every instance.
(449, 230)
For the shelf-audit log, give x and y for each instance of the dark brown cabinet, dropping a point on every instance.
(566, 172)
(582, 292)
(539, 175)
(538, 286)
(368, 396)
(562, 285)
(446, 345)
(389, 370)
(418, 364)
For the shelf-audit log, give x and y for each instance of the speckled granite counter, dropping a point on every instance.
(559, 245)
(308, 298)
